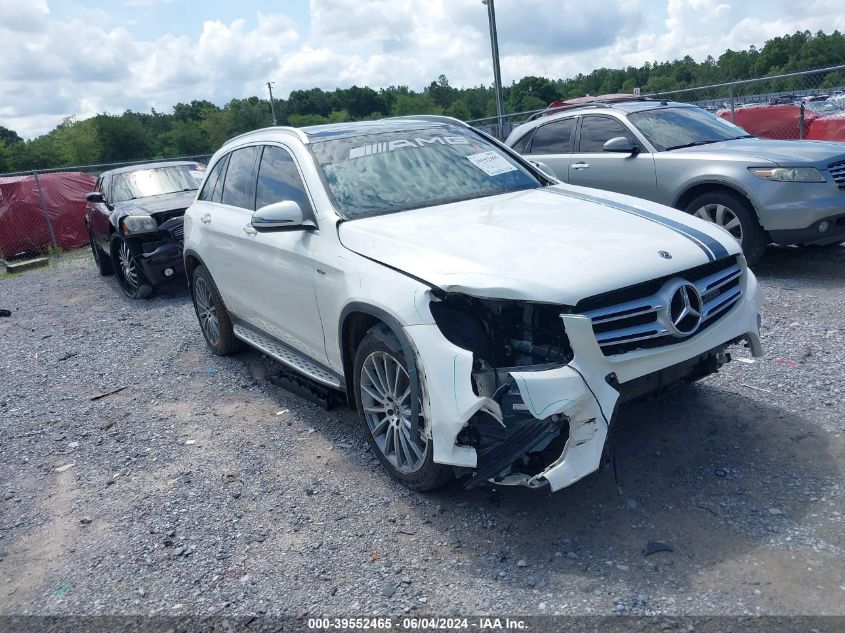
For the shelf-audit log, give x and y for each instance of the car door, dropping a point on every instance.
(551, 144)
(221, 221)
(283, 271)
(98, 216)
(632, 174)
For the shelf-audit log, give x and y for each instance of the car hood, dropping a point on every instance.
(557, 245)
(153, 205)
(764, 149)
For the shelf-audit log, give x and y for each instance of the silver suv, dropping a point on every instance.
(760, 190)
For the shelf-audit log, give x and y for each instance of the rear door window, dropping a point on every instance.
(553, 138)
(278, 180)
(208, 189)
(239, 185)
(598, 130)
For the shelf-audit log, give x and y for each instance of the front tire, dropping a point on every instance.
(215, 322)
(382, 396)
(129, 274)
(735, 216)
(103, 263)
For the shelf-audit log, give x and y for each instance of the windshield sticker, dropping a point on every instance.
(491, 163)
(414, 143)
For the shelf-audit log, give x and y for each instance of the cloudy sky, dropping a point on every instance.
(81, 57)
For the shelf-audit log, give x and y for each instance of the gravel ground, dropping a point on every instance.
(201, 488)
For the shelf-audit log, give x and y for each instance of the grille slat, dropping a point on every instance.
(642, 322)
(837, 170)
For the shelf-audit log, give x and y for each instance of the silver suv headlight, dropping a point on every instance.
(133, 224)
(788, 174)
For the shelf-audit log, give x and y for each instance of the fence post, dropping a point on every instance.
(45, 211)
(801, 121)
(733, 103)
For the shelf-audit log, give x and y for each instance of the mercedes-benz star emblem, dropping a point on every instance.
(685, 310)
(665, 254)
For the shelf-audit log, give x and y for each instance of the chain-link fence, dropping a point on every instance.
(806, 105)
(43, 211)
(801, 105)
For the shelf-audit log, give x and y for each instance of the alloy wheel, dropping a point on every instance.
(128, 268)
(206, 311)
(723, 216)
(386, 400)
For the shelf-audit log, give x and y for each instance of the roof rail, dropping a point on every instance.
(598, 102)
(432, 117)
(283, 128)
(564, 108)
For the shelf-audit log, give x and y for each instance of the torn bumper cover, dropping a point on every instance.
(161, 259)
(570, 406)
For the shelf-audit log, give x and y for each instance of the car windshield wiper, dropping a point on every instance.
(694, 143)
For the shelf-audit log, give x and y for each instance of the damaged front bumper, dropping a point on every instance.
(571, 405)
(161, 257)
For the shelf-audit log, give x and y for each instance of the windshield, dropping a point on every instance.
(824, 107)
(153, 182)
(375, 174)
(673, 128)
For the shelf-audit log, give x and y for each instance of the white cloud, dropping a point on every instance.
(52, 69)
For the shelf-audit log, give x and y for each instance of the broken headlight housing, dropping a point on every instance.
(504, 333)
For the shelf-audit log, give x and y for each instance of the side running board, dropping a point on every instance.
(284, 354)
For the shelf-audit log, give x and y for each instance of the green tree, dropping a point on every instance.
(123, 137)
(9, 137)
(5, 158)
(415, 104)
(460, 110)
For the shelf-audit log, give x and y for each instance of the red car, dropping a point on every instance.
(823, 120)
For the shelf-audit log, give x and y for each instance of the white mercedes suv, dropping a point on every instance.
(485, 320)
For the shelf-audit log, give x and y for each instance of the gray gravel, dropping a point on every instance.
(201, 488)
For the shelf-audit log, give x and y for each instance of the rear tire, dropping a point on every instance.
(736, 216)
(214, 319)
(382, 395)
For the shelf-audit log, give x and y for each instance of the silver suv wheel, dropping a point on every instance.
(723, 216)
(386, 400)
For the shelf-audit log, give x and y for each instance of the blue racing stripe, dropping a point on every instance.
(711, 247)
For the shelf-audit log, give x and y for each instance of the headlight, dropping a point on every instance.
(139, 224)
(788, 174)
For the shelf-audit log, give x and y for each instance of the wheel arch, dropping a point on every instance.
(696, 189)
(192, 262)
(358, 318)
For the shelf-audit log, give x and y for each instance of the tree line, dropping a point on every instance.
(200, 127)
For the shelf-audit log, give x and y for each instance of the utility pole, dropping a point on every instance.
(497, 75)
(272, 107)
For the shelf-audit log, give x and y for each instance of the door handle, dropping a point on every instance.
(206, 218)
(580, 166)
(249, 230)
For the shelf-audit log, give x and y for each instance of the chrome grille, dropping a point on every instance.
(643, 321)
(837, 170)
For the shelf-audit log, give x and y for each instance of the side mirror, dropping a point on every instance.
(621, 145)
(280, 216)
(544, 168)
(96, 197)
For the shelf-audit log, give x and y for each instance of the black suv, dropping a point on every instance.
(135, 224)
